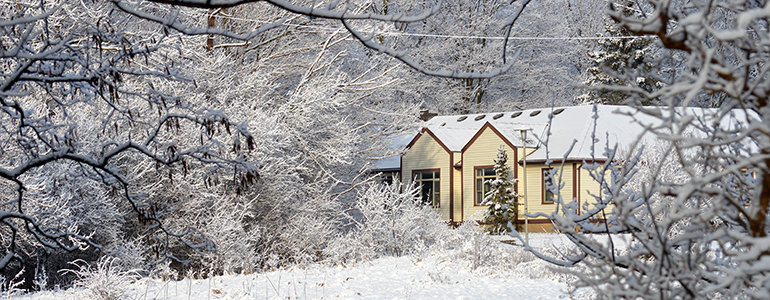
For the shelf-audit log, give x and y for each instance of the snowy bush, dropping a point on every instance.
(388, 222)
(104, 281)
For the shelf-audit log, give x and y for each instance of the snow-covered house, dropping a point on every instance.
(453, 155)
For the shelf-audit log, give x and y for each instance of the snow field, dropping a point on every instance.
(383, 278)
(437, 275)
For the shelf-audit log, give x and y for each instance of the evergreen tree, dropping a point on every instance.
(614, 64)
(501, 197)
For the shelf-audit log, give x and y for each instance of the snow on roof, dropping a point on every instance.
(590, 131)
(569, 124)
(615, 125)
(454, 138)
(392, 163)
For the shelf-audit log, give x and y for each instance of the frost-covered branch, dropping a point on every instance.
(691, 201)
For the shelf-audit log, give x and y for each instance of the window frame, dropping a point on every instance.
(437, 183)
(544, 191)
(475, 186)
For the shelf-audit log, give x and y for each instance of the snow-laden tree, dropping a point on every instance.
(393, 220)
(699, 224)
(548, 37)
(501, 198)
(85, 94)
(619, 52)
(157, 131)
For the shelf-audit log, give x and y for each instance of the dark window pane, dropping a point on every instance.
(426, 188)
(547, 194)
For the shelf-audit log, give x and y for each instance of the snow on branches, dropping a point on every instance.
(694, 201)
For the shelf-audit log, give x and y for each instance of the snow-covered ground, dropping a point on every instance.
(430, 276)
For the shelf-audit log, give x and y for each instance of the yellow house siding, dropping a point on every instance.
(426, 153)
(481, 152)
(535, 187)
(589, 188)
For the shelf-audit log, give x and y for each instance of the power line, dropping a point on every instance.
(528, 38)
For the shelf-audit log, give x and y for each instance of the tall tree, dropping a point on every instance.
(501, 198)
(619, 53)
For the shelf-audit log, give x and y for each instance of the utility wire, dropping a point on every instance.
(523, 38)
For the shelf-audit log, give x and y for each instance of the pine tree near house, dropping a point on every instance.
(501, 198)
(613, 63)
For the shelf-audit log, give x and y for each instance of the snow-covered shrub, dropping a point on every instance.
(13, 286)
(388, 222)
(104, 281)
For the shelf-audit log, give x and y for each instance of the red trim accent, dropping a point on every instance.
(401, 172)
(426, 130)
(516, 169)
(578, 189)
(531, 221)
(481, 130)
(538, 221)
(451, 188)
(475, 202)
(462, 190)
(559, 160)
(542, 182)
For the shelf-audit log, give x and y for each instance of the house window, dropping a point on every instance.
(547, 181)
(430, 186)
(482, 186)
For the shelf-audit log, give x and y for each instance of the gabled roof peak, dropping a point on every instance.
(566, 124)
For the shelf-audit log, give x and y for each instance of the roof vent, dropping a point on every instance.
(558, 111)
(516, 114)
(497, 116)
(479, 117)
(534, 113)
(442, 124)
(460, 119)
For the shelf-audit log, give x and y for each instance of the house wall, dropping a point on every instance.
(480, 152)
(589, 188)
(426, 153)
(535, 190)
